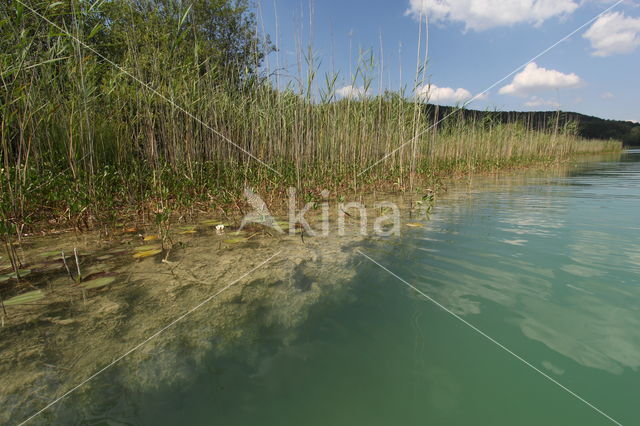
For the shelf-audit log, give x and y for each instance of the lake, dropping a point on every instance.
(547, 264)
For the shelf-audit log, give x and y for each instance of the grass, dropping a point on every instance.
(82, 143)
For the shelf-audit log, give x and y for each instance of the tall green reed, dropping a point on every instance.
(80, 139)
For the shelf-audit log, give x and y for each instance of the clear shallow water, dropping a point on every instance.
(548, 266)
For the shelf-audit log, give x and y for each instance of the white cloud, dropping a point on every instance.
(536, 102)
(483, 14)
(607, 95)
(614, 33)
(446, 95)
(534, 79)
(353, 92)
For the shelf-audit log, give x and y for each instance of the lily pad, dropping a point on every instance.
(54, 253)
(23, 298)
(147, 248)
(7, 277)
(272, 224)
(95, 269)
(150, 238)
(98, 282)
(415, 225)
(118, 252)
(212, 222)
(47, 266)
(148, 253)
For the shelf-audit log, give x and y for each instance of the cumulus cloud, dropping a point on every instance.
(536, 102)
(614, 33)
(607, 95)
(533, 79)
(353, 92)
(446, 95)
(483, 14)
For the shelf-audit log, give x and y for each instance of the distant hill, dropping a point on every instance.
(588, 127)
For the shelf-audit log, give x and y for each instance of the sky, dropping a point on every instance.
(473, 45)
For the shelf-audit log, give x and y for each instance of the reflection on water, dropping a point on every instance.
(548, 264)
(567, 262)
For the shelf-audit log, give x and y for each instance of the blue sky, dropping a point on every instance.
(472, 45)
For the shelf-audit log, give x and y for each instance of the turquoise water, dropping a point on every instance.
(549, 266)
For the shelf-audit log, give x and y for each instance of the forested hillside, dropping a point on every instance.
(589, 127)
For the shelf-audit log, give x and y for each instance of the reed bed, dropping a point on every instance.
(82, 140)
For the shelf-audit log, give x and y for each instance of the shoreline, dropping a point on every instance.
(150, 291)
(140, 215)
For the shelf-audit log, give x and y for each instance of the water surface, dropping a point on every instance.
(546, 264)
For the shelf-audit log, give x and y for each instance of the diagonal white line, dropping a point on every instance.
(544, 52)
(491, 339)
(147, 340)
(146, 86)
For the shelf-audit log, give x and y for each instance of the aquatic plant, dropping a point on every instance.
(82, 142)
(186, 230)
(147, 253)
(20, 273)
(24, 298)
(146, 248)
(97, 283)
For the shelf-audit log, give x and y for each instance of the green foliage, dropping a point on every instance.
(25, 298)
(585, 126)
(154, 104)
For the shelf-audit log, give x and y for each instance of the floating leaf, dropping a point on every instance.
(46, 267)
(50, 254)
(118, 252)
(212, 222)
(187, 228)
(415, 225)
(190, 231)
(23, 273)
(95, 269)
(147, 248)
(148, 253)
(131, 230)
(98, 282)
(150, 238)
(21, 299)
